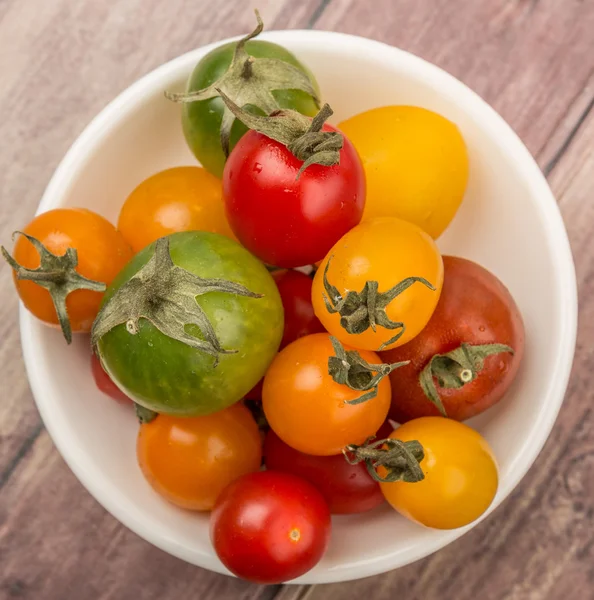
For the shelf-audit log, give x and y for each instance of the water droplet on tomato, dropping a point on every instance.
(257, 167)
(481, 329)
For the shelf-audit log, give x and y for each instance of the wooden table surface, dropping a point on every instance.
(61, 61)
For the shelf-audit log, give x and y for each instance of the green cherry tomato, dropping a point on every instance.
(168, 375)
(201, 120)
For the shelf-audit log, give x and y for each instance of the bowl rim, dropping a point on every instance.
(116, 111)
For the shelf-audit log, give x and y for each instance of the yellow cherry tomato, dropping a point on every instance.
(177, 199)
(379, 285)
(460, 471)
(415, 162)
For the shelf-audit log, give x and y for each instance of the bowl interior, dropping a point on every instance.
(508, 222)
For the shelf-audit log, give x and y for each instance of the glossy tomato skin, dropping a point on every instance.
(348, 489)
(201, 121)
(285, 221)
(189, 461)
(102, 253)
(295, 291)
(461, 475)
(474, 308)
(176, 199)
(399, 146)
(170, 377)
(386, 250)
(308, 410)
(104, 382)
(270, 527)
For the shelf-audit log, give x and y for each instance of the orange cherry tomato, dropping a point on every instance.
(102, 252)
(386, 255)
(460, 471)
(308, 410)
(190, 460)
(177, 199)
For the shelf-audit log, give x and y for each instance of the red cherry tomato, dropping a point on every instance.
(269, 527)
(255, 393)
(104, 382)
(295, 292)
(284, 220)
(348, 489)
(385, 430)
(475, 308)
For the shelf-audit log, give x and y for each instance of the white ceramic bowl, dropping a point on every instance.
(509, 222)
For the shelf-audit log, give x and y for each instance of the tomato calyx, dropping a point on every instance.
(366, 309)
(456, 368)
(165, 295)
(401, 460)
(144, 415)
(348, 368)
(58, 275)
(302, 136)
(250, 80)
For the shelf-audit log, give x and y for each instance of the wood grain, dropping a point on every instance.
(56, 543)
(62, 61)
(531, 60)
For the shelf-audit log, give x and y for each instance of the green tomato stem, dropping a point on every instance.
(165, 295)
(348, 368)
(360, 311)
(58, 275)
(250, 81)
(455, 369)
(400, 459)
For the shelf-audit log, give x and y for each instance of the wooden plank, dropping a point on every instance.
(530, 60)
(539, 544)
(56, 543)
(61, 62)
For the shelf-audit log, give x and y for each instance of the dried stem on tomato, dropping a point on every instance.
(302, 136)
(58, 275)
(165, 295)
(348, 368)
(366, 309)
(456, 368)
(144, 415)
(250, 81)
(401, 460)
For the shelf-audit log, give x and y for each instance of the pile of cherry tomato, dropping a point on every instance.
(274, 314)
